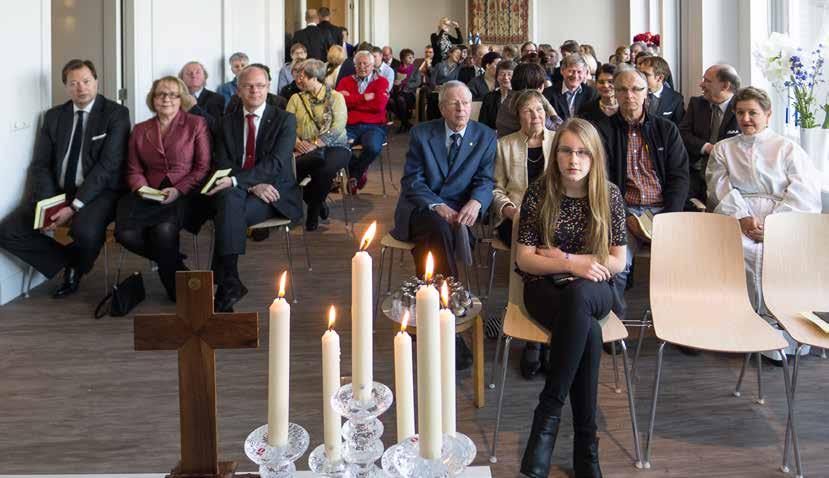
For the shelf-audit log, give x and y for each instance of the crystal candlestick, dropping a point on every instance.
(273, 461)
(362, 430)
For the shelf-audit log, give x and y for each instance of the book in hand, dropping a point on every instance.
(821, 319)
(645, 221)
(151, 194)
(219, 174)
(46, 208)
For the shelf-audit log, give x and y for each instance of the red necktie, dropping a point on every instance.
(250, 144)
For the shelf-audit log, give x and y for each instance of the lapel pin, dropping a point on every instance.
(471, 144)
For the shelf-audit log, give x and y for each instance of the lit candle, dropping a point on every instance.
(279, 367)
(362, 319)
(332, 423)
(428, 367)
(403, 383)
(447, 362)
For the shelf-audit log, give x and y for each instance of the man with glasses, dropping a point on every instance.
(646, 160)
(80, 151)
(256, 142)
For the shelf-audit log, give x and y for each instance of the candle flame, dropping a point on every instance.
(332, 316)
(282, 279)
(368, 236)
(405, 321)
(430, 267)
(444, 295)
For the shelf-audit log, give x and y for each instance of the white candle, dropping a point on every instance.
(362, 319)
(279, 367)
(332, 424)
(403, 382)
(447, 363)
(428, 368)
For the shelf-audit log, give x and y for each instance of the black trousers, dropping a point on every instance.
(401, 105)
(322, 166)
(87, 229)
(431, 233)
(697, 188)
(504, 231)
(571, 313)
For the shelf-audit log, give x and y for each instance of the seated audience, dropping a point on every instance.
(286, 75)
(492, 100)
(321, 145)
(382, 68)
(755, 174)
(663, 102)
(256, 142)
(483, 84)
(366, 95)
(710, 118)
(389, 59)
(238, 61)
(572, 224)
(622, 55)
(442, 41)
(527, 48)
(551, 59)
(567, 48)
(209, 105)
(646, 160)
(90, 177)
(569, 95)
(403, 98)
(448, 69)
(336, 57)
(291, 88)
(605, 103)
(527, 76)
(510, 53)
(635, 49)
(473, 66)
(171, 153)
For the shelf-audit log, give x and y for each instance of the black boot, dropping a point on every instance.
(586, 454)
(312, 221)
(71, 282)
(539, 451)
(530, 361)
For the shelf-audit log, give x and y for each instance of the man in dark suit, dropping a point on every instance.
(209, 104)
(571, 93)
(79, 152)
(315, 42)
(447, 183)
(710, 118)
(389, 59)
(256, 142)
(333, 33)
(663, 102)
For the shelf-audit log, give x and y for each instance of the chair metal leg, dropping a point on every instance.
(632, 406)
(615, 368)
(290, 264)
(391, 268)
(491, 280)
(106, 268)
(498, 350)
(391, 169)
(493, 458)
(344, 190)
(467, 282)
(659, 355)
(26, 285)
(792, 424)
(823, 354)
(379, 282)
(737, 391)
(196, 251)
(645, 323)
(761, 400)
(382, 174)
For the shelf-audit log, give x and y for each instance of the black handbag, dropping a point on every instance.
(125, 295)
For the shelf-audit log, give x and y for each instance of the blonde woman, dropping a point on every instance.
(336, 57)
(571, 242)
(442, 41)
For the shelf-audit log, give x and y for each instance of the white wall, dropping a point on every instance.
(601, 23)
(412, 21)
(76, 33)
(26, 33)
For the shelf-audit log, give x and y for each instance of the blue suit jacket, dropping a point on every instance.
(428, 180)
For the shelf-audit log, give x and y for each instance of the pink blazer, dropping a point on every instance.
(183, 155)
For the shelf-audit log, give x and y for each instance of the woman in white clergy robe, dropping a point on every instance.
(755, 174)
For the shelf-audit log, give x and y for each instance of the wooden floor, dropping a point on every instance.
(75, 397)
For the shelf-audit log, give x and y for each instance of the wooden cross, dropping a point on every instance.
(196, 331)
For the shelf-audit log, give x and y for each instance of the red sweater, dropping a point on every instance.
(359, 109)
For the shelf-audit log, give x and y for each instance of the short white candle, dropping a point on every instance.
(279, 361)
(332, 423)
(403, 382)
(428, 368)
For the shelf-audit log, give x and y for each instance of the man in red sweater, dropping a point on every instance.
(366, 95)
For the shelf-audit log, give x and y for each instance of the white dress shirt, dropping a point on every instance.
(79, 176)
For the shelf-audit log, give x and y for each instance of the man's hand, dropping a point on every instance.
(752, 228)
(587, 267)
(265, 192)
(171, 195)
(707, 147)
(469, 213)
(220, 184)
(368, 96)
(60, 218)
(509, 212)
(635, 228)
(447, 213)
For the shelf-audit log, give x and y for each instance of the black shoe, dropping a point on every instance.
(688, 351)
(545, 359)
(539, 451)
(71, 283)
(463, 356)
(312, 222)
(771, 361)
(530, 362)
(324, 211)
(260, 235)
(234, 290)
(608, 348)
(586, 455)
(168, 280)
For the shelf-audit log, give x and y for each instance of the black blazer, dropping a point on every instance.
(332, 34)
(434, 39)
(559, 101)
(489, 108)
(695, 126)
(274, 156)
(478, 87)
(592, 112)
(346, 69)
(671, 106)
(102, 157)
(314, 41)
(210, 106)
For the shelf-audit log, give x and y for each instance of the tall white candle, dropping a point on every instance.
(428, 368)
(403, 382)
(447, 363)
(362, 319)
(332, 423)
(279, 355)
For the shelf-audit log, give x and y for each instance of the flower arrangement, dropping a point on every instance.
(648, 38)
(787, 66)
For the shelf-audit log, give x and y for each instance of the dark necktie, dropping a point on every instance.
(716, 121)
(454, 148)
(250, 144)
(69, 185)
(653, 103)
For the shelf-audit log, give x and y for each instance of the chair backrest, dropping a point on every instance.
(698, 284)
(476, 110)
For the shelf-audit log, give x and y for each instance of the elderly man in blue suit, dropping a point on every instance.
(447, 182)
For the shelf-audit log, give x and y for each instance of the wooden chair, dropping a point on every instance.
(476, 110)
(698, 293)
(519, 325)
(795, 280)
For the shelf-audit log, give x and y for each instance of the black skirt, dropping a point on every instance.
(135, 212)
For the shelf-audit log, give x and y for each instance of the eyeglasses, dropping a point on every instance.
(635, 89)
(163, 95)
(580, 153)
(253, 86)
